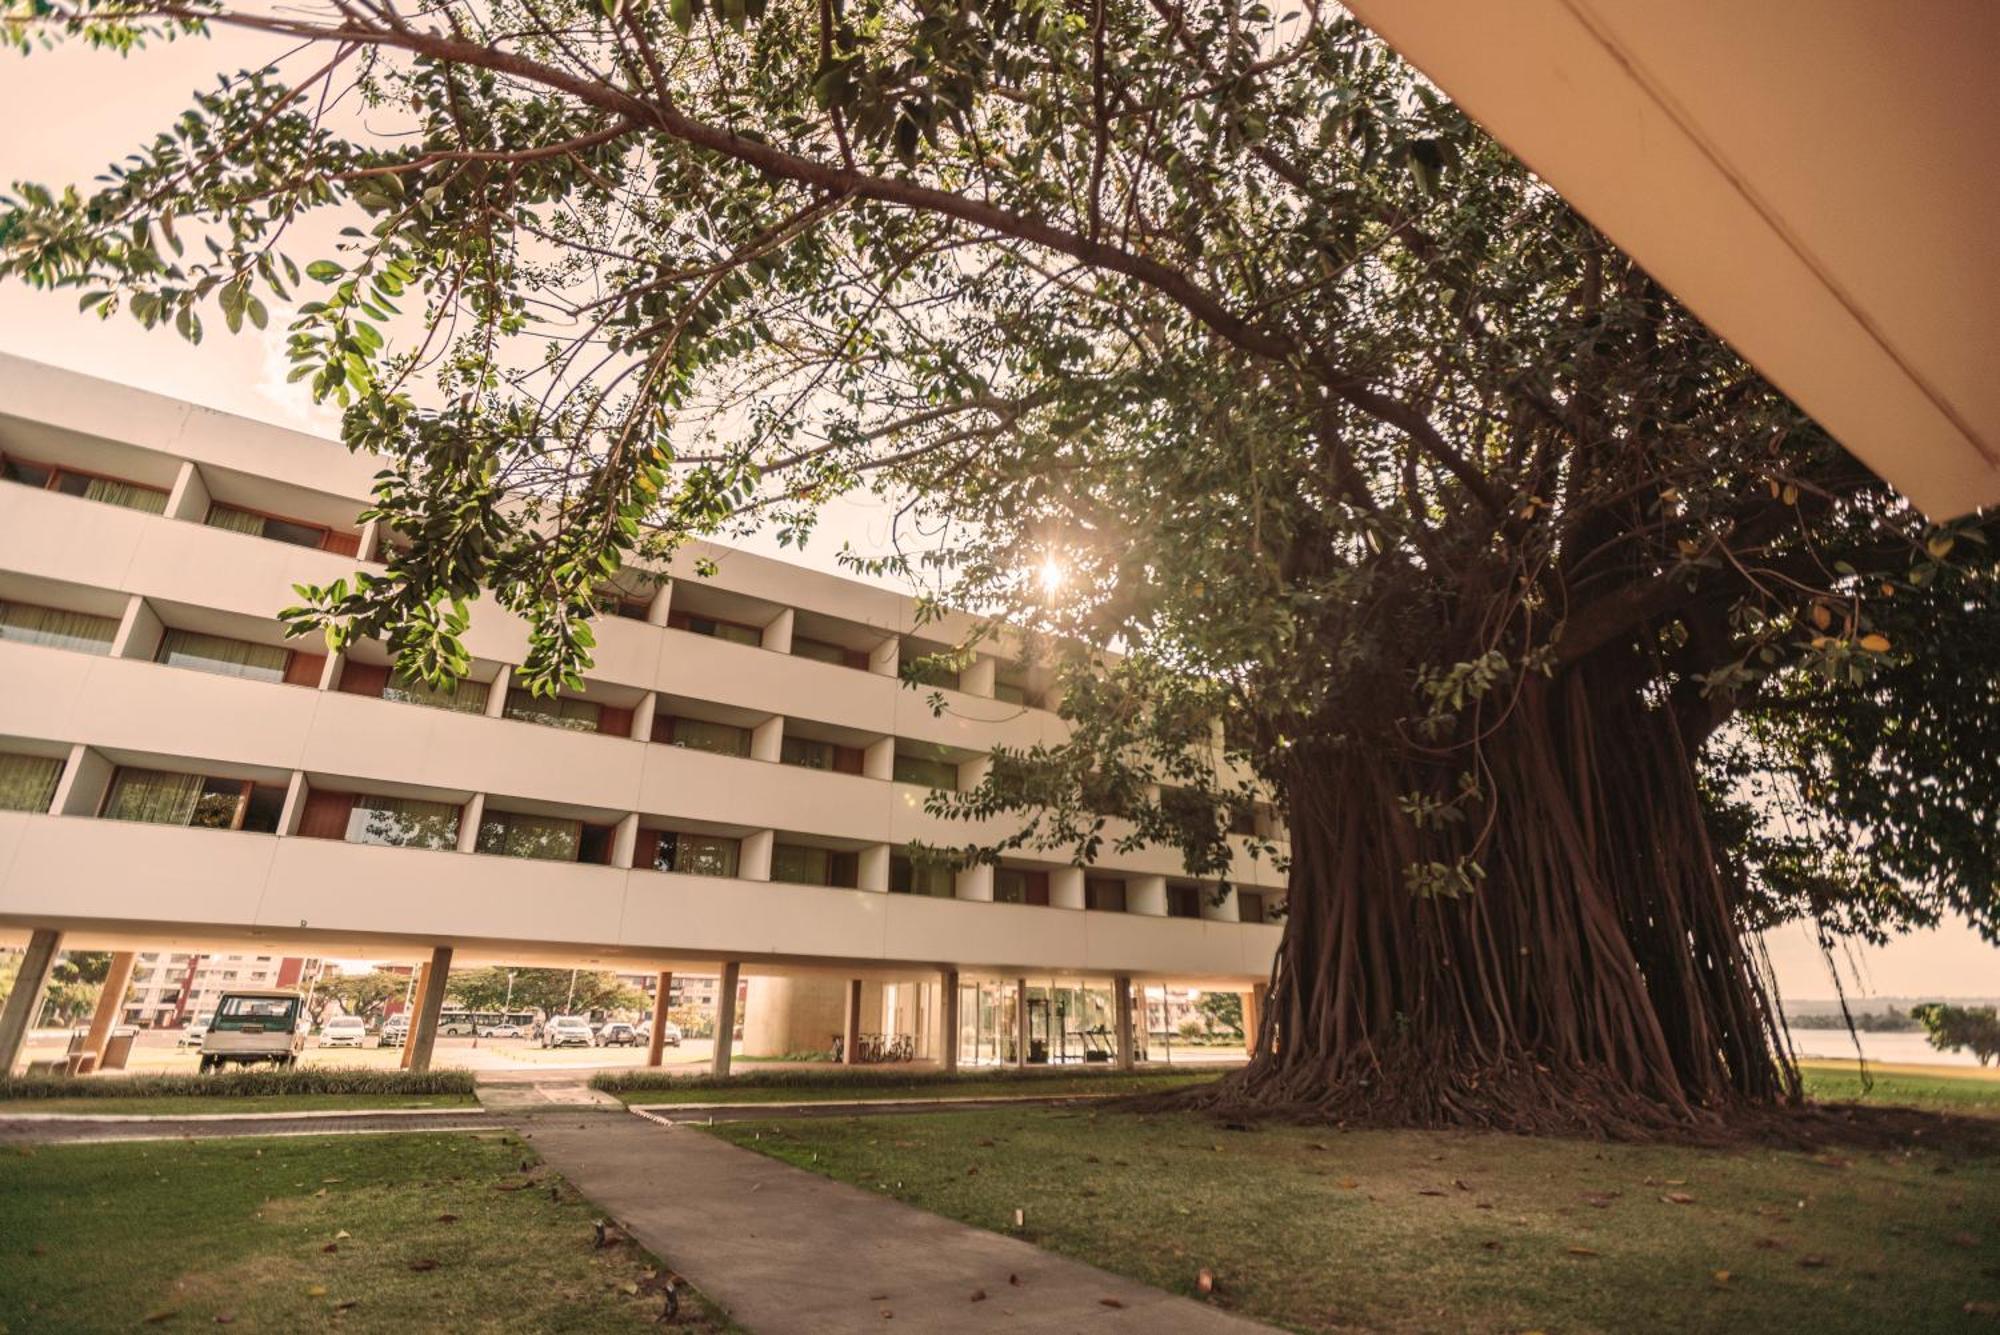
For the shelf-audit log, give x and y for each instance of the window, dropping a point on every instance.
(798, 864)
(1250, 906)
(112, 491)
(223, 656)
(467, 697)
(837, 654)
(929, 668)
(908, 876)
(28, 783)
(296, 532)
(736, 632)
(1183, 901)
(159, 797)
(1242, 818)
(514, 834)
(926, 771)
(1106, 894)
(1011, 684)
(695, 854)
(562, 712)
(402, 822)
(722, 739)
(78, 631)
(618, 603)
(810, 754)
(1011, 693)
(1016, 885)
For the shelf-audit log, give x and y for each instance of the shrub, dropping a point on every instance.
(237, 1084)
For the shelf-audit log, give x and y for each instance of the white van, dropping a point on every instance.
(343, 1031)
(255, 1027)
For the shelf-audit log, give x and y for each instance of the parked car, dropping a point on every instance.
(503, 1031)
(343, 1031)
(567, 1031)
(197, 1029)
(395, 1031)
(255, 1026)
(672, 1039)
(617, 1034)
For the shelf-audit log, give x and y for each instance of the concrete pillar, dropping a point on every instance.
(417, 985)
(850, 1032)
(296, 790)
(1066, 890)
(1147, 895)
(878, 759)
(725, 1017)
(767, 739)
(109, 1002)
(86, 778)
(24, 1003)
(189, 498)
(1121, 1009)
(423, 1029)
(643, 715)
(625, 840)
(979, 674)
(663, 601)
(329, 672)
(496, 700)
(872, 868)
(1021, 1023)
(1254, 1002)
(139, 631)
(753, 859)
(1226, 911)
(656, 1044)
(887, 657)
(370, 546)
(778, 635)
(976, 882)
(468, 823)
(948, 1019)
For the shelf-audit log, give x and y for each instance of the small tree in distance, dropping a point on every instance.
(1962, 1028)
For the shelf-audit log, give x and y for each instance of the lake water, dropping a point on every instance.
(1876, 1047)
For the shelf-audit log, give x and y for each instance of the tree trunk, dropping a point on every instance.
(1596, 980)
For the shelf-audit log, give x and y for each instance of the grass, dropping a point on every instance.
(1974, 1091)
(184, 1105)
(376, 1233)
(227, 1085)
(1320, 1230)
(840, 1084)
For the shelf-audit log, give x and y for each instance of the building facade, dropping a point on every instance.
(169, 989)
(735, 788)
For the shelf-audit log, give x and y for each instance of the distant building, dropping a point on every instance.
(168, 990)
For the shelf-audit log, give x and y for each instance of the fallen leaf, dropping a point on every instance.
(1459, 1182)
(1810, 1262)
(316, 1291)
(978, 1296)
(447, 1219)
(1584, 1251)
(164, 1314)
(1110, 1302)
(1974, 1307)
(1964, 1240)
(1772, 1244)
(225, 1318)
(1678, 1198)
(1599, 1200)
(1491, 1244)
(1429, 1191)
(1205, 1282)
(1015, 1280)
(878, 1297)
(331, 1247)
(343, 1234)
(1348, 1183)
(345, 1303)
(630, 1288)
(424, 1263)
(1722, 1278)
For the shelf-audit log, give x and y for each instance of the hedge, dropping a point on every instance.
(237, 1084)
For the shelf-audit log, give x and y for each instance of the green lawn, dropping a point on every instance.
(373, 1233)
(1974, 1092)
(178, 1105)
(1320, 1230)
(971, 1087)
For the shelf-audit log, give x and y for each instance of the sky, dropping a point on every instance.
(70, 112)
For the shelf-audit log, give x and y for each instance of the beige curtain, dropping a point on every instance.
(235, 520)
(28, 783)
(227, 657)
(126, 494)
(469, 698)
(58, 629)
(512, 834)
(153, 796)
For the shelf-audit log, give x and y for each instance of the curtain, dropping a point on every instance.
(235, 520)
(58, 629)
(722, 739)
(127, 494)
(224, 656)
(153, 796)
(704, 855)
(469, 698)
(514, 835)
(403, 822)
(800, 865)
(28, 783)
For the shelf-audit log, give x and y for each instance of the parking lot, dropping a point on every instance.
(156, 1051)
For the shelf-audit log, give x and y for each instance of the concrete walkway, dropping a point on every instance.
(790, 1253)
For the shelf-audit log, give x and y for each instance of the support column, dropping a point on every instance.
(1253, 1016)
(850, 1029)
(109, 1002)
(1121, 1008)
(496, 699)
(1021, 1023)
(656, 1043)
(725, 1017)
(948, 1019)
(417, 985)
(24, 1003)
(423, 1030)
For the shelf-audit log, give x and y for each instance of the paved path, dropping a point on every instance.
(59, 1129)
(695, 1114)
(790, 1253)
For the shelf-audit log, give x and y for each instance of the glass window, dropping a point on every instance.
(223, 656)
(28, 783)
(716, 628)
(908, 876)
(263, 809)
(515, 834)
(1249, 906)
(926, 771)
(78, 631)
(266, 526)
(820, 651)
(722, 739)
(157, 797)
(1184, 901)
(562, 712)
(799, 864)
(235, 520)
(631, 606)
(20, 470)
(467, 697)
(926, 669)
(299, 535)
(696, 854)
(1008, 691)
(111, 491)
(1017, 885)
(403, 822)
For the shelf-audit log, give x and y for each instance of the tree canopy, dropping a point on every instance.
(1407, 502)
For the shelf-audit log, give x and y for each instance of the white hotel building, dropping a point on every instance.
(731, 794)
